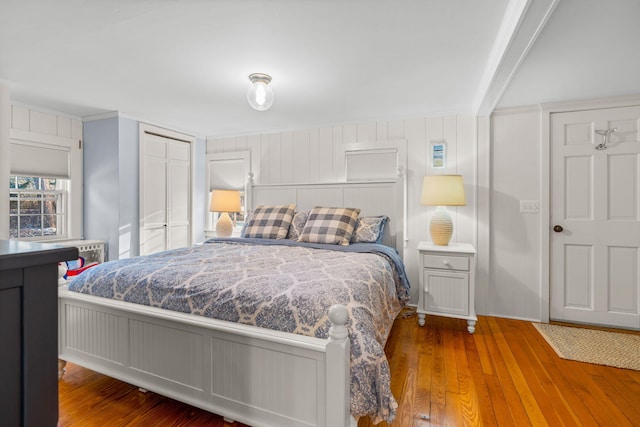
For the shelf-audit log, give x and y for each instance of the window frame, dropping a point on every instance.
(61, 204)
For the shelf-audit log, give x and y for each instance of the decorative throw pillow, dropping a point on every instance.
(269, 222)
(369, 229)
(297, 225)
(333, 226)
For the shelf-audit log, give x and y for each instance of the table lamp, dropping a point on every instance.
(225, 201)
(442, 191)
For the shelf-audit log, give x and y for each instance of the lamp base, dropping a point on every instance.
(441, 227)
(224, 226)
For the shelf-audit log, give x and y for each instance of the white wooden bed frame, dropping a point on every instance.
(253, 375)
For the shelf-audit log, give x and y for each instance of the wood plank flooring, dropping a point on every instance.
(503, 375)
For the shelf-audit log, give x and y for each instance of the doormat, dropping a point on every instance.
(593, 346)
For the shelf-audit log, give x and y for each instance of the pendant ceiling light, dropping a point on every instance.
(260, 95)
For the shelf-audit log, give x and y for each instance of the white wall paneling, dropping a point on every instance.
(30, 119)
(317, 155)
(483, 217)
(514, 289)
(38, 136)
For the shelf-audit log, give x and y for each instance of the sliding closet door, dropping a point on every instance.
(165, 192)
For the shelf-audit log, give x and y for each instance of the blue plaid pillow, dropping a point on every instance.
(269, 222)
(333, 226)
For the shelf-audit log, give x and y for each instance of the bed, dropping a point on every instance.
(320, 368)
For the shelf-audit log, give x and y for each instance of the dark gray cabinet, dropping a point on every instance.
(29, 332)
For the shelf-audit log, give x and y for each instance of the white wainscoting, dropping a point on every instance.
(30, 120)
(316, 155)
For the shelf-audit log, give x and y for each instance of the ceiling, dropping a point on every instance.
(588, 49)
(185, 64)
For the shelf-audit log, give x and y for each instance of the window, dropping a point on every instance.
(46, 183)
(228, 171)
(37, 207)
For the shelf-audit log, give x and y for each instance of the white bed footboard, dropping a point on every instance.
(254, 375)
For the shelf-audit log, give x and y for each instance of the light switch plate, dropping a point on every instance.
(529, 206)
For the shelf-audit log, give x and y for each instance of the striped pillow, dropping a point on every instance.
(269, 222)
(330, 225)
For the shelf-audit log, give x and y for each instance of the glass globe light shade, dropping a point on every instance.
(260, 95)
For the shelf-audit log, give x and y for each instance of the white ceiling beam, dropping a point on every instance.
(522, 24)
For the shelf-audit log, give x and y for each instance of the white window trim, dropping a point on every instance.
(74, 220)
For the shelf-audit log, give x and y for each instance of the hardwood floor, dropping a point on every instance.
(503, 375)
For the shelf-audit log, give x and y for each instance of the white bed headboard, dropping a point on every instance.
(384, 197)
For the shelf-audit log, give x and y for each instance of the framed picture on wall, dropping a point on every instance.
(438, 154)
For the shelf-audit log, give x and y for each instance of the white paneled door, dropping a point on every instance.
(165, 193)
(595, 217)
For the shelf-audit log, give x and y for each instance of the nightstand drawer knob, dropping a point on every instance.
(446, 262)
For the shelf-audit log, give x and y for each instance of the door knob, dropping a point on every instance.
(558, 228)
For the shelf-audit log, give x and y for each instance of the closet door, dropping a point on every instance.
(178, 195)
(165, 191)
(153, 195)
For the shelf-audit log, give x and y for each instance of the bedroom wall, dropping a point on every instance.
(112, 193)
(129, 191)
(102, 183)
(515, 289)
(310, 155)
(518, 150)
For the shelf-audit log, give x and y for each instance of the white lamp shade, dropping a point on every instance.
(225, 201)
(443, 190)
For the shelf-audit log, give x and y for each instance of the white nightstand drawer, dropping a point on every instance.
(446, 262)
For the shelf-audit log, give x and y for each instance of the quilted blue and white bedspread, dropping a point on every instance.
(276, 284)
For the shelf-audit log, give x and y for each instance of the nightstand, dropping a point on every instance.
(447, 282)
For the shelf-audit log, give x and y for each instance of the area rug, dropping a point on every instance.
(593, 346)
